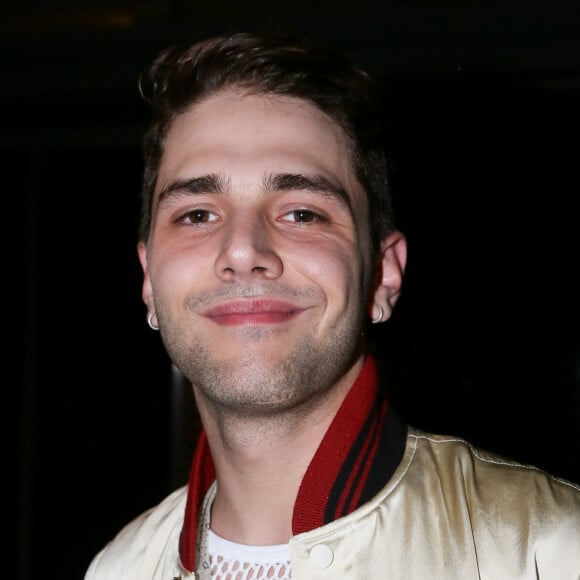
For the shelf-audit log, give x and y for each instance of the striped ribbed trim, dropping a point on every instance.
(355, 459)
(201, 476)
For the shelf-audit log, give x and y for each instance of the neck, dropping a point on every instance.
(260, 462)
(257, 485)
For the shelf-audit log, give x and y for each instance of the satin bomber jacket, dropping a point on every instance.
(449, 511)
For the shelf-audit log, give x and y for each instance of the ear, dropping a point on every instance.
(390, 269)
(147, 290)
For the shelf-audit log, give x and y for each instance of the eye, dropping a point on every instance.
(199, 216)
(303, 216)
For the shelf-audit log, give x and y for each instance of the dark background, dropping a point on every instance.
(482, 101)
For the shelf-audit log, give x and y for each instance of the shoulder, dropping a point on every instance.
(488, 479)
(155, 530)
(445, 448)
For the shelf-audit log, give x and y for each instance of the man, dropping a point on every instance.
(267, 244)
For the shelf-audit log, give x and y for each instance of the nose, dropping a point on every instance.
(248, 250)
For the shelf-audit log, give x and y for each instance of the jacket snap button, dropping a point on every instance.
(321, 556)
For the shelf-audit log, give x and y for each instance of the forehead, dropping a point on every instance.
(240, 132)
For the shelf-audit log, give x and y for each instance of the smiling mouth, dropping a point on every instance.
(252, 312)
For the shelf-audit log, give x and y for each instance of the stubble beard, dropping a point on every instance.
(254, 384)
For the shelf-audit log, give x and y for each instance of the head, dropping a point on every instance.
(181, 77)
(267, 238)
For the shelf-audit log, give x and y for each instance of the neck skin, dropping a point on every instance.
(260, 462)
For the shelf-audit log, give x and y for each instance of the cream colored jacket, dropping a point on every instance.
(450, 512)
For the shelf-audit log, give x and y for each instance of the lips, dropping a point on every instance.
(252, 312)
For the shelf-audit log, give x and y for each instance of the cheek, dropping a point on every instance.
(335, 271)
(174, 272)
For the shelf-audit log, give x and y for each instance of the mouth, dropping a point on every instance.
(252, 312)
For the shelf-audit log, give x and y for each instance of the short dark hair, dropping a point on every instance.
(182, 76)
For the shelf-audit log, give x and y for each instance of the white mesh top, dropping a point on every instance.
(232, 561)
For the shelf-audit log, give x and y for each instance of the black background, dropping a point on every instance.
(482, 101)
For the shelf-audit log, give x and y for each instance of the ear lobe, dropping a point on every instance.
(391, 267)
(147, 290)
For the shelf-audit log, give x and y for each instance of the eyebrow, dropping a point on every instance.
(219, 184)
(315, 183)
(211, 183)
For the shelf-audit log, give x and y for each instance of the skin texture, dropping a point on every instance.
(259, 271)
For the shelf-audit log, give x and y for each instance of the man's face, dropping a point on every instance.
(258, 265)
